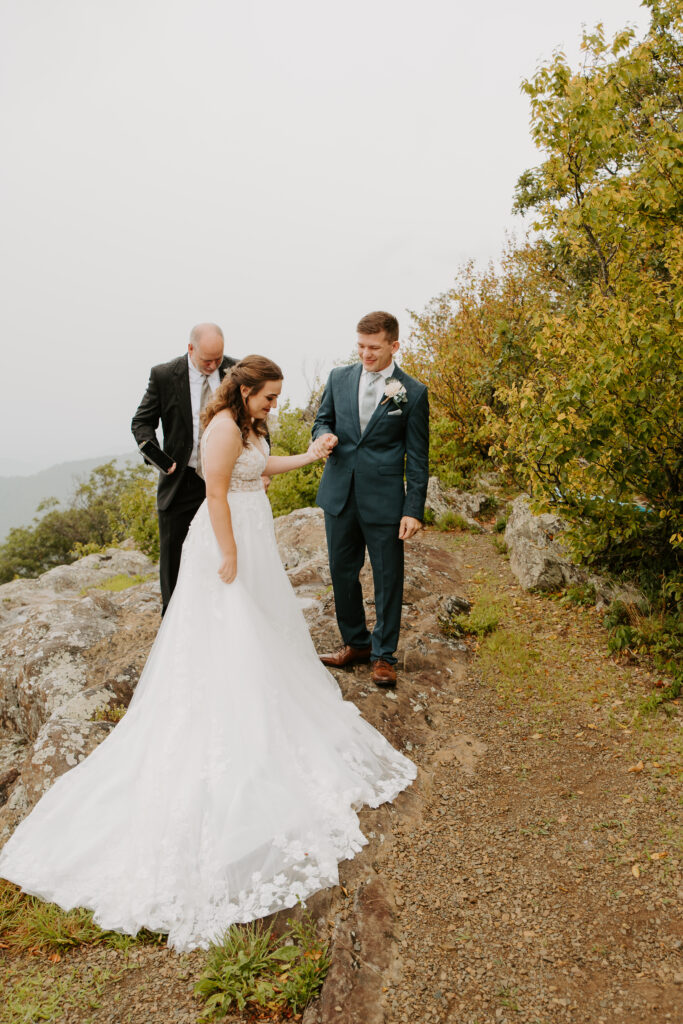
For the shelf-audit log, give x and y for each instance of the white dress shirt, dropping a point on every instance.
(380, 383)
(196, 381)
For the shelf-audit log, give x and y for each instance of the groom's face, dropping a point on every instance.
(376, 351)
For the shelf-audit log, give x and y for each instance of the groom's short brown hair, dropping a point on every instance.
(373, 323)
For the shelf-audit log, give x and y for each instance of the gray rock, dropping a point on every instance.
(537, 556)
(442, 500)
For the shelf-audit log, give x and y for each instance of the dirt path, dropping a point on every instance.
(530, 875)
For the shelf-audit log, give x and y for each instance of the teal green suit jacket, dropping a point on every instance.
(388, 463)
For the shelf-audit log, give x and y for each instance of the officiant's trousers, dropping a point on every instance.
(174, 522)
(348, 538)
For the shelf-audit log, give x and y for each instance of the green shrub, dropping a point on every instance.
(109, 506)
(292, 435)
(594, 428)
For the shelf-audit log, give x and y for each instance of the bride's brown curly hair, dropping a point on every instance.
(252, 372)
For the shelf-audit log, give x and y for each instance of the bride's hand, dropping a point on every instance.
(228, 567)
(322, 447)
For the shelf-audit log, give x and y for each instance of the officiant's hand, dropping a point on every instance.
(408, 528)
(171, 469)
(228, 567)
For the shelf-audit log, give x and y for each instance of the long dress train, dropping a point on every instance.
(229, 790)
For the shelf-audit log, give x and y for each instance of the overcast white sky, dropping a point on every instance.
(280, 168)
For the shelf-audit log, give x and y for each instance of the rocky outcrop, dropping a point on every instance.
(50, 688)
(537, 556)
(442, 500)
(540, 561)
(73, 644)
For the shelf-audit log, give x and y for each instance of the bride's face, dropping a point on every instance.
(259, 403)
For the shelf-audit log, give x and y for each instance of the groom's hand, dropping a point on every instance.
(323, 445)
(408, 528)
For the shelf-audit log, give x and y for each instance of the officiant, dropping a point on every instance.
(176, 394)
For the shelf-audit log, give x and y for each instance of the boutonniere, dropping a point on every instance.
(394, 392)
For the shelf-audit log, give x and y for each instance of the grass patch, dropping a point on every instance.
(250, 968)
(120, 582)
(453, 521)
(38, 992)
(28, 923)
(482, 619)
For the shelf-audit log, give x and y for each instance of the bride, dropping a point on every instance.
(230, 788)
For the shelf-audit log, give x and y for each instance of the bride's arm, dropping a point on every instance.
(319, 449)
(221, 452)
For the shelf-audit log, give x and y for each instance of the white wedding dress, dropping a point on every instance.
(229, 790)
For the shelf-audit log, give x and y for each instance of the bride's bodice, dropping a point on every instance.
(246, 474)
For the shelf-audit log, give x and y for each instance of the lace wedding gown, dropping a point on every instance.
(229, 790)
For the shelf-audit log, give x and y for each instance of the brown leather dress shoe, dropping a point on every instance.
(383, 673)
(346, 656)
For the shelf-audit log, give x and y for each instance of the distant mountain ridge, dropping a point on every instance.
(20, 496)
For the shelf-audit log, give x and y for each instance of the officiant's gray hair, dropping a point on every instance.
(199, 329)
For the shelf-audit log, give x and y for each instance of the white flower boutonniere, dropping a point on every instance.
(394, 392)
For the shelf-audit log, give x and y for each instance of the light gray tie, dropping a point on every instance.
(204, 397)
(368, 398)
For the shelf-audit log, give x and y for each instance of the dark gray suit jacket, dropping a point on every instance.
(167, 400)
(393, 446)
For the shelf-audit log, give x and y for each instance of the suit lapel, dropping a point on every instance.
(182, 375)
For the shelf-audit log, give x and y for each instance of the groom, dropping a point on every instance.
(375, 419)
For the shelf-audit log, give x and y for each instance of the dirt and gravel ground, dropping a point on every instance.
(530, 875)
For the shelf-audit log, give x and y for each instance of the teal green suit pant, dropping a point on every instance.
(348, 537)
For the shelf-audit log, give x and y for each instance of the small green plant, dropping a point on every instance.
(429, 517)
(489, 505)
(500, 545)
(112, 713)
(582, 594)
(617, 615)
(251, 967)
(501, 523)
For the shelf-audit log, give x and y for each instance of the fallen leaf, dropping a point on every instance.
(55, 958)
(635, 871)
(563, 818)
(637, 767)
(659, 856)
(537, 736)
(591, 726)
(344, 890)
(577, 735)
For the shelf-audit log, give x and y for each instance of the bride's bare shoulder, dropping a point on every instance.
(224, 425)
